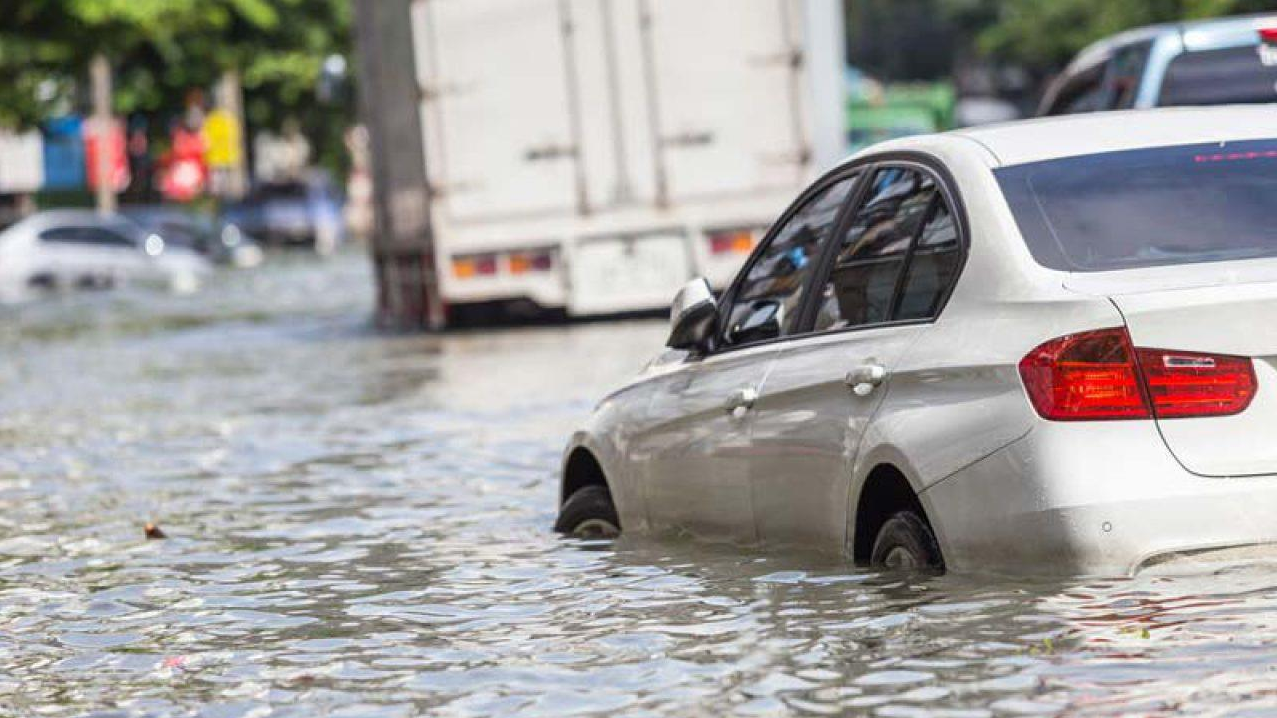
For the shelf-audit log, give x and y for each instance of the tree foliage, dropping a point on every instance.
(160, 49)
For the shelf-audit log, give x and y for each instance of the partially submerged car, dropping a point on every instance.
(218, 241)
(80, 249)
(305, 212)
(1044, 346)
(1206, 62)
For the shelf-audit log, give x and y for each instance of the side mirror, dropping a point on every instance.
(692, 316)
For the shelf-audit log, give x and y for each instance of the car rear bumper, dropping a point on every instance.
(1092, 498)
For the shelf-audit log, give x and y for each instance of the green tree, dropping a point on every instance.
(160, 49)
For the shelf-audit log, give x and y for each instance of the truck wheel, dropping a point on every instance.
(906, 542)
(589, 513)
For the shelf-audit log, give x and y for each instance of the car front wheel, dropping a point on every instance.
(905, 542)
(589, 513)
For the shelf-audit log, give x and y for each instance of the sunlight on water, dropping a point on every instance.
(358, 524)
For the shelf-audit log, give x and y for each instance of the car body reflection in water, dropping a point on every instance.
(359, 524)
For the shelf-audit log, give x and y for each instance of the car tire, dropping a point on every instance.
(589, 513)
(905, 542)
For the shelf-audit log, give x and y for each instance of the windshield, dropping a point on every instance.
(1144, 208)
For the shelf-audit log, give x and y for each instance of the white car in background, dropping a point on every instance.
(79, 249)
(1045, 346)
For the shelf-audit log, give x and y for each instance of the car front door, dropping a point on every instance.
(694, 450)
(889, 273)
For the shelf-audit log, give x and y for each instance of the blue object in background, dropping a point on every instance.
(64, 153)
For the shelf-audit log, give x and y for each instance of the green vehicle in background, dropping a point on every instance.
(877, 111)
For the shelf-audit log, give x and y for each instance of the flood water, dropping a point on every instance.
(357, 524)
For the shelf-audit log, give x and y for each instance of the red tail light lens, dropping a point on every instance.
(1099, 375)
(1182, 384)
(1088, 376)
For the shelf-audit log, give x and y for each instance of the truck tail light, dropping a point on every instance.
(733, 241)
(474, 265)
(524, 262)
(1099, 375)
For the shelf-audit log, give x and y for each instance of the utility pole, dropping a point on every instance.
(390, 95)
(100, 79)
(230, 97)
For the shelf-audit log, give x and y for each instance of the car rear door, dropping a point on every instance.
(890, 271)
(694, 452)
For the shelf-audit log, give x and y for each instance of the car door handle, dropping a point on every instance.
(864, 379)
(741, 401)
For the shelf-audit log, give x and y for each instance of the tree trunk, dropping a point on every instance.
(100, 79)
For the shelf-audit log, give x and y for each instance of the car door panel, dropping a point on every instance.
(807, 428)
(885, 279)
(697, 449)
(694, 451)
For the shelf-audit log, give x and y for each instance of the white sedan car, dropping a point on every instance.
(1043, 346)
(79, 249)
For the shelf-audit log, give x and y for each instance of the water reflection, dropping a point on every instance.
(358, 526)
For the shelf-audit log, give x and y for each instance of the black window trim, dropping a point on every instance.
(866, 168)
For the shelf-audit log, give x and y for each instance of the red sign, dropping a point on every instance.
(117, 162)
(185, 173)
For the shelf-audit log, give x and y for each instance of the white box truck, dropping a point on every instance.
(588, 157)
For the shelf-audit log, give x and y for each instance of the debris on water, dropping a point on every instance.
(154, 532)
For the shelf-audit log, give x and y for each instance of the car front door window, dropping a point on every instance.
(874, 249)
(767, 300)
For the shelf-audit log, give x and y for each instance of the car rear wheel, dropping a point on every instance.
(905, 542)
(589, 513)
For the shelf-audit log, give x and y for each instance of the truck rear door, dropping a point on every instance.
(724, 83)
(498, 108)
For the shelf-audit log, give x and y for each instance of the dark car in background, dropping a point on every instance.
(219, 241)
(304, 212)
(1208, 62)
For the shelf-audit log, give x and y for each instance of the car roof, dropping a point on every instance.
(1197, 35)
(1047, 138)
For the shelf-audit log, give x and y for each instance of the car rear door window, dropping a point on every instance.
(767, 300)
(932, 266)
(873, 251)
(1220, 77)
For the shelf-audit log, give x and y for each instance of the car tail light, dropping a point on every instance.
(735, 241)
(1182, 384)
(1268, 35)
(1099, 375)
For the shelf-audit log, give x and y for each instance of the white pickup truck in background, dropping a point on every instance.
(587, 157)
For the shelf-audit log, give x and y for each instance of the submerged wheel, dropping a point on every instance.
(906, 542)
(589, 513)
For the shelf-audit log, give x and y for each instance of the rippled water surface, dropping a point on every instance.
(357, 525)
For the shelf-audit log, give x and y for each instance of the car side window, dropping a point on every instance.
(932, 266)
(767, 300)
(873, 251)
(107, 238)
(1125, 71)
(61, 235)
(1083, 92)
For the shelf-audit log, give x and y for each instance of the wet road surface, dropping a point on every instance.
(357, 524)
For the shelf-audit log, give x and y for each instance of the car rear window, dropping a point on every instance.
(1145, 208)
(1221, 77)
